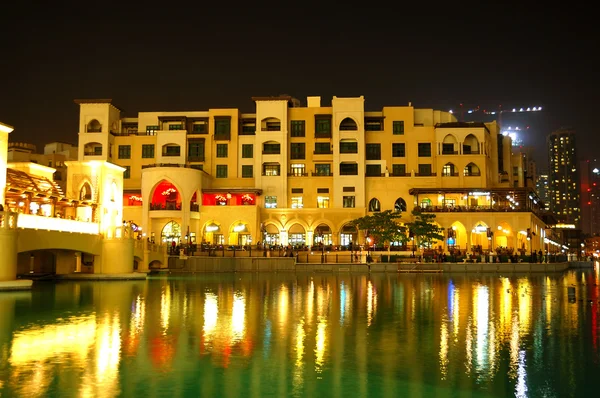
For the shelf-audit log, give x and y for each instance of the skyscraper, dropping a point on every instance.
(563, 177)
(541, 187)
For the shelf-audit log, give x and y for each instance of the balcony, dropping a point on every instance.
(196, 158)
(326, 134)
(322, 174)
(425, 174)
(194, 207)
(297, 174)
(405, 174)
(374, 174)
(323, 153)
(446, 152)
(165, 206)
(222, 136)
(455, 174)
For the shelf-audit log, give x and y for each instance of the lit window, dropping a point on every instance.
(323, 202)
(297, 202)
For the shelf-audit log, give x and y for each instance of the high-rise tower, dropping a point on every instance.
(563, 177)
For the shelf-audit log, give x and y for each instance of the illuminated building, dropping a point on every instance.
(291, 174)
(563, 177)
(542, 189)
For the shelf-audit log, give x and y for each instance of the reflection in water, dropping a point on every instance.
(311, 335)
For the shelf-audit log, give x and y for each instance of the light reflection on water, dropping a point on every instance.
(304, 335)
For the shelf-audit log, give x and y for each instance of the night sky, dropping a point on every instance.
(220, 56)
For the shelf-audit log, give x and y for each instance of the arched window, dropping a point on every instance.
(171, 150)
(86, 192)
(472, 170)
(171, 232)
(448, 170)
(270, 124)
(348, 124)
(471, 145)
(94, 126)
(400, 205)
(271, 148)
(449, 145)
(374, 205)
(92, 149)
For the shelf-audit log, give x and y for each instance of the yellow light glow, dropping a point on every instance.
(320, 344)
(29, 221)
(371, 303)
(211, 313)
(238, 317)
(165, 307)
(298, 377)
(444, 348)
(5, 128)
(310, 297)
(283, 307)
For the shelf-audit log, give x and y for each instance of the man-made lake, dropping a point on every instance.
(322, 335)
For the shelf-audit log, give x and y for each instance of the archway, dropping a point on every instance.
(271, 234)
(322, 235)
(94, 126)
(479, 238)
(457, 237)
(239, 234)
(297, 235)
(212, 234)
(165, 197)
(86, 193)
(504, 239)
(171, 232)
(472, 170)
(470, 145)
(92, 149)
(449, 145)
(348, 236)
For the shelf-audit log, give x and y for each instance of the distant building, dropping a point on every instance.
(563, 177)
(543, 191)
(590, 197)
(55, 154)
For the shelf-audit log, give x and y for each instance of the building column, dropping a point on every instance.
(78, 262)
(8, 243)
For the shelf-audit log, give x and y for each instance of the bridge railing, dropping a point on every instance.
(8, 220)
(30, 221)
(152, 247)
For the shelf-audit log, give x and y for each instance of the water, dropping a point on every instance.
(257, 335)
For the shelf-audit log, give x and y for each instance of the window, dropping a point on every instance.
(97, 150)
(271, 149)
(175, 127)
(124, 151)
(398, 127)
(271, 169)
(373, 170)
(248, 127)
(323, 126)
(373, 151)
(271, 124)
(222, 150)
(348, 124)
(323, 202)
(270, 202)
(425, 150)
(400, 205)
(349, 201)
(348, 189)
(196, 150)
(322, 148)
(448, 170)
(222, 126)
(127, 172)
(298, 170)
(373, 124)
(148, 151)
(200, 127)
(399, 170)
(297, 202)
(348, 147)
(297, 190)
(297, 150)
(247, 151)
(171, 150)
(399, 150)
(322, 190)
(221, 171)
(425, 170)
(515, 170)
(322, 169)
(374, 205)
(197, 166)
(349, 169)
(151, 130)
(298, 128)
(448, 149)
(247, 171)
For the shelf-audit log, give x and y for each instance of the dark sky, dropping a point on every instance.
(169, 58)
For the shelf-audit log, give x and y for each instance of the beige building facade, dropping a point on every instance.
(292, 174)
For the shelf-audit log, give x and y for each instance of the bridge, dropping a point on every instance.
(50, 245)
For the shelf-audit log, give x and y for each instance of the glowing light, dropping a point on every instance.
(320, 344)
(444, 349)
(371, 303)
(238, 317)
(212, 228)
(239, 228)
(211, 313)
(165, 307)
(168, 191)
(135, 198)
(29, 221)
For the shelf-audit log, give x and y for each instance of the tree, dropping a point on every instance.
(424, 230)
(382, 226)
